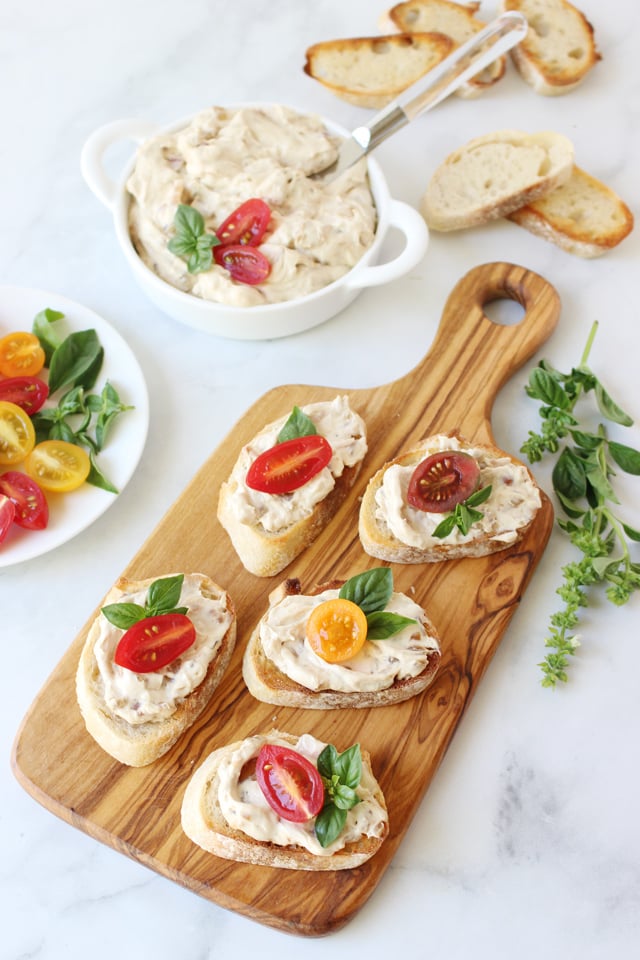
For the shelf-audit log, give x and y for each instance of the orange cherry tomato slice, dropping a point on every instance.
(442, 480)
(58, 466)
(289, 465)
(336, 630)
(155, 642)
(291, 784)
(21, 355)
(246, 225)
(17, 435)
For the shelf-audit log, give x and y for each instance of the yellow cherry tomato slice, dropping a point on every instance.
(21, 355)
(17, 436)
(58, 466)
(336, 630)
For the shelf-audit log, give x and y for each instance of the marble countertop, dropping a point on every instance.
(528, 838)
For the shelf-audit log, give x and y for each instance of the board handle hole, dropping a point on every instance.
(504, 311)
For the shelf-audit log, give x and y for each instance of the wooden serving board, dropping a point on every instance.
(137, 811)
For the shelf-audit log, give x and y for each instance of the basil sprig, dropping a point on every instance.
(191, 241)
(341, 774)
(162, 597)
(298, 425)
(371, 591)
(48, 337)
(463, 516)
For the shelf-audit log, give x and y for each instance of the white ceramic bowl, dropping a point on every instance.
(265, 321)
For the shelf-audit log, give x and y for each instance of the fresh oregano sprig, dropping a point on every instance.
(582, 481)
(341, 774)
(464, 514)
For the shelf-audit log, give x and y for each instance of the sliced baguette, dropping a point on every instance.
(138, 744)
(583, 216)
(378, 539)
(493, 175)
(266, 552)
(454, 20)
(371, 71)
(269, 684)
(558, 51)
(204, 822)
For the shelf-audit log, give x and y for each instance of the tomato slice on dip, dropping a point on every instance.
(154, 642)
(289, 465)
(442, 480)
(246, 225)
(29, 393)
(291, 784)
(336, 630)
(244, 262)
(32, 511)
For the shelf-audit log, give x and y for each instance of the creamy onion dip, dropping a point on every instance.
(512, 504)
(319, 229)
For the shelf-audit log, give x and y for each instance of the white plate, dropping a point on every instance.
(70, 513)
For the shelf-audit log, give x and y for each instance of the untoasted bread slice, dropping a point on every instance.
(493, 175)
(559, 49)
(205, 817)
(391, 529)
(455, 20)
(272, 684)
(372, 71)
(139, 743)
(583, 216)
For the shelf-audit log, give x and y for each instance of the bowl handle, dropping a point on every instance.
(411, 223)
(98, 143)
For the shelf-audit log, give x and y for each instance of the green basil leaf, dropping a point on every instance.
(345, 797)
(627, 458)
(586, 441)
(445, 526)
(631, 532)
(49, 339)
(599, 482)
(569, 507)
(543, 386)
(479, 496)
(62, 431)
(200, 261)
(97, 478)
(370, 590)
(182, 246)
(78, 357)
(569, 475)
(348, 766)
(609, 409)
(164, 594)
(329, 824)
(326, 761)
(124, 615)
(383, 624)
(188, 222)
(298, 425)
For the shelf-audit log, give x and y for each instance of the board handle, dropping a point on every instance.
(473, 355)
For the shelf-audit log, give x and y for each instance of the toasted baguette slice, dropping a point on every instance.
(493, 175)
(390, 529)
(559, 49)
(455, 20)
(583, 216)
(205, 823)
(137, 744)
(265, 552)
(268, 683)
(371, 71)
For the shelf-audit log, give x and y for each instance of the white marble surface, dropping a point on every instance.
(528, 840)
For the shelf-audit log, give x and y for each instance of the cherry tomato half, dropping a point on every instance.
(17, 435)
(442, 480)
(58, 466)
(154, 642)
(290, 464)
(336, 630)
(246, 225)
(32, 510)
(290, 783)
(7, 514)
(21, 355)
(244, 263)
(29, 393)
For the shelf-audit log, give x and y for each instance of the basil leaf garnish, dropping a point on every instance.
(162, 597)
(383, 624)
(329, 824)
(48, 338)
(348, 766)
(191, 242)
(370, 590)
(463, 515)
(76, 360)
(124, 615)
(298, 425)
(341, 774)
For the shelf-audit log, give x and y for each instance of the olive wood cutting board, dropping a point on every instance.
(471, 601)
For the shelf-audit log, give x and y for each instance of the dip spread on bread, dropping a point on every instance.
(512, 503)
(245, 808)
(318, 231)
(346, 433)
(142, 697)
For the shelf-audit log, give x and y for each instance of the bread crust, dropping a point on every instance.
(378, 541)
(204, 824)
(141, 744)
(266, 682)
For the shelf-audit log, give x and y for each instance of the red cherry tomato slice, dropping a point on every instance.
(290, 783)
(290, 464)
(443, 480)
(7, 515)
(31, 508)
(244, 263)
(154, 642)
(29, 393)
(246, 225)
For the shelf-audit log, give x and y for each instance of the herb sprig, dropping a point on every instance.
(582, 480)
(191, 241)
(371, 591)
(341, 774)
(298, 424)
(464, 514)
(162, 597)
